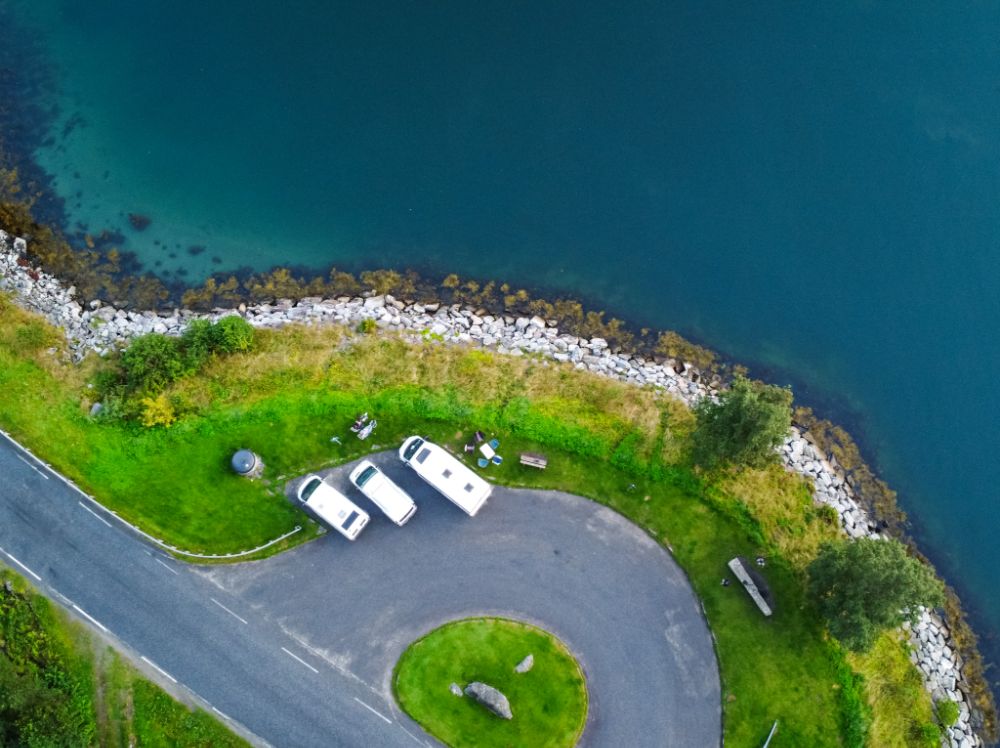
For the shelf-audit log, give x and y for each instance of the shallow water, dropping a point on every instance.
(814, 190)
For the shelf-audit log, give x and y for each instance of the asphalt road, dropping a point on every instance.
(299, 649)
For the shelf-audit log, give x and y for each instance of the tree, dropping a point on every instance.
(869, 585)
(745, 426)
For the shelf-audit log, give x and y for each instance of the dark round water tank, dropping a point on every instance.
(243, 461)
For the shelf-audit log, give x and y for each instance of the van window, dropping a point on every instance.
(423, 456)
(310, 489)
(412, 449)
(350, 520)
(366, 475)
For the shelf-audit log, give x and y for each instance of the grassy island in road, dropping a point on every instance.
(549, 702)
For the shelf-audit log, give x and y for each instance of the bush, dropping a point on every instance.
(234, 335)
(152, 362)
(200, 340)
(157, 411)
(367, 326)
(745, 427)
(947, 713)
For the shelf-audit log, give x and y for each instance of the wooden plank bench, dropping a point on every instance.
(535, 460)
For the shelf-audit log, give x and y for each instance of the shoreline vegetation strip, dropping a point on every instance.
(102, 328)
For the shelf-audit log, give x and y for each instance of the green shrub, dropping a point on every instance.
(367, 326)
(947, 713)
(152, 362)
(199, 341)
(234, 335)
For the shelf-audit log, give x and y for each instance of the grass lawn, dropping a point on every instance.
(549, 702)
(619, 445)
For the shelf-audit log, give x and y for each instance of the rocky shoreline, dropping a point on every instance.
(94, 326)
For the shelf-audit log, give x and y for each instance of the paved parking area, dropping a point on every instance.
(569, 565)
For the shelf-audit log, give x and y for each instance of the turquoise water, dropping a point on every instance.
(815, 190)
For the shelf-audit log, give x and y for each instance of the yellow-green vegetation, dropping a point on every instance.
(302, 385)
(783, 505)
(59, 687)
(549, 702)
(902, 714)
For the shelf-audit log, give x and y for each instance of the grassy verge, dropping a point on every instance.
(902, 716)
(58, 686)
(549, 702)
(174, 484)
(617, 444)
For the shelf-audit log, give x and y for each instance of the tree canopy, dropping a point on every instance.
(744, 427)
(869, 585)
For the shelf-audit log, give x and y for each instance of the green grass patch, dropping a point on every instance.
(549, 702)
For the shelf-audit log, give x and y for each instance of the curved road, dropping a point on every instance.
(299, 649)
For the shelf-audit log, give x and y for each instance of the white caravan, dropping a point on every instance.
(446, 473)
(331, 506)
(394, 502)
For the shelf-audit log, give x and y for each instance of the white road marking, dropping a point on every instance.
(31, 466)
(171, 570)
(295, 657)
(222, 714)
(157, 667)
(61, 596)
(417, 740)
(37, 578)
(90, 618)
(241, 620)
(374, 711)
(99, 517)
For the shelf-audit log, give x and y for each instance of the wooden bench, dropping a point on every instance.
(535, 460)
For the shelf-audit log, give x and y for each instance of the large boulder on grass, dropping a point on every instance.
(490, 698)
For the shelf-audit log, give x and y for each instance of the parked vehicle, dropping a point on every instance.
(331, 506)
(446, 473)
(394, 502)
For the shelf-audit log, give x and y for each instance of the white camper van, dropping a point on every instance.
(331, 506)
(394, 502)
(446, 473)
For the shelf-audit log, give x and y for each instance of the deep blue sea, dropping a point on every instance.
(812, 188)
